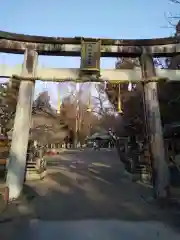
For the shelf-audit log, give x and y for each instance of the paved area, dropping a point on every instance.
(88, 195)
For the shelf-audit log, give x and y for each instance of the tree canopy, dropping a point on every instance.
(132, 101)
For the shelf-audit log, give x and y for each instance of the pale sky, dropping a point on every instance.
(110, 19)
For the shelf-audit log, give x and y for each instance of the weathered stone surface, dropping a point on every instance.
(17, 43)
(77, 40)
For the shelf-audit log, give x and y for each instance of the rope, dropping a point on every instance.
(119, 99)
(88, 79)
(59, 100)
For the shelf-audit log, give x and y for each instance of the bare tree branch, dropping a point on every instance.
(170, 19)
(175, 1)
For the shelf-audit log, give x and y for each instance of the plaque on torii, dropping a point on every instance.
(90, 57)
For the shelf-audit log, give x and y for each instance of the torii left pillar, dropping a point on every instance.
(20, 136)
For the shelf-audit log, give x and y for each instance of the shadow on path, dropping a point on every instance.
(89, 190)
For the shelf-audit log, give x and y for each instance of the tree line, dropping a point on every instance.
(132, 101)
(74, 120)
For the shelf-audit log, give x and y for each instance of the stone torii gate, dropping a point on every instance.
(90, 51)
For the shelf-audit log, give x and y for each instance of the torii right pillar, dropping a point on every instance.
(161, 177)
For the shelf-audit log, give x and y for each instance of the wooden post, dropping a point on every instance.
(160, 166)
(20, 136)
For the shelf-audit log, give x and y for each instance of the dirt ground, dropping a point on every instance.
(91, 185)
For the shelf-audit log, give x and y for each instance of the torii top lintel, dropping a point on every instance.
(60, 46)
